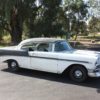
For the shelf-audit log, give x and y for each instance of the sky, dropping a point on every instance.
(86, 0)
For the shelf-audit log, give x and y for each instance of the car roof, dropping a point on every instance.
(40, 40)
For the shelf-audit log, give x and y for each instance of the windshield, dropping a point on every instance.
(62, 46)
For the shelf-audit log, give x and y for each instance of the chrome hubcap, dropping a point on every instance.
(13, 64)
(78, 74)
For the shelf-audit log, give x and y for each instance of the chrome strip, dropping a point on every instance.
(25, 54)
(60, 59)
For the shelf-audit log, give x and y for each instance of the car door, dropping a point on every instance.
(25, 58)
(43, 58)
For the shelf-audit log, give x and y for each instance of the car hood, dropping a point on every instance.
(83, 53)
(86, 53)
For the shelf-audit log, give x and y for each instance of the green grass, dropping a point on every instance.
(0, 46)
(3, 45)
(5, 40)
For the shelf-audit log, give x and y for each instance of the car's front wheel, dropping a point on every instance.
(78, 73)
(13, 66)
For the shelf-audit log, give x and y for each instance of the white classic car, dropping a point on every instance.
(52, 55)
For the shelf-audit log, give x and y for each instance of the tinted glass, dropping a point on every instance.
(62, 46)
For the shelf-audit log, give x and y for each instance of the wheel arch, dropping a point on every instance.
(9, 60)
(73, 65)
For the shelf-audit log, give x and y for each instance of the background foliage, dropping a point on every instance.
(48, 18)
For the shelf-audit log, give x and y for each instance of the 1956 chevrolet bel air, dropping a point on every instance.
(52, 55)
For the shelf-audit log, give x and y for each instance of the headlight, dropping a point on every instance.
(97, 69)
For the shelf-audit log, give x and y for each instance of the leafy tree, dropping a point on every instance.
(94, 25)
(48, 18)
(46, 23)
(94, 7)
(15, 12)
(76, 13)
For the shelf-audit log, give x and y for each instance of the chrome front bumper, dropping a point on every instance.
(94, 73)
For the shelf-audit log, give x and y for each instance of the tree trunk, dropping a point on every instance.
(16, 26)
(68, 29)
(76, 36)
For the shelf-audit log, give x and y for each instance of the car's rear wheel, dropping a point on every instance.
(13, 66)
(78, 73)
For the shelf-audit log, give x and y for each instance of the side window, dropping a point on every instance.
(29, 47)
(44, 47)
(61, 46)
